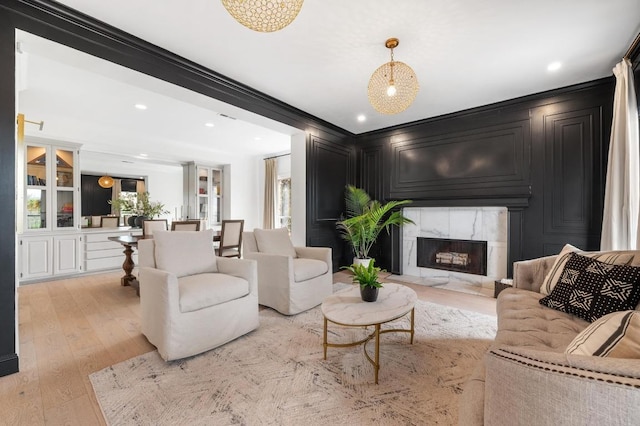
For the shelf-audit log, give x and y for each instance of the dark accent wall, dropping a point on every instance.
(542, 156)
(332, 167)
(8, 355)
(94, 197)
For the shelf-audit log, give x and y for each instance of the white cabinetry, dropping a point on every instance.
(203, 196)
(36, 254)
(51, 188)
(48, 203)
(66, 254)
(45, 256)
(101, 254)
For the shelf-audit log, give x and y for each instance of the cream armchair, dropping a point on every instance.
(290, 279)
(192, 301)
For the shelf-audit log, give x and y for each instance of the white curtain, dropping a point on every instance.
(270, 191)
(116, 189)
(622, 197)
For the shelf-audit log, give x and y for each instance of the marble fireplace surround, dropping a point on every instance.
(464, 223)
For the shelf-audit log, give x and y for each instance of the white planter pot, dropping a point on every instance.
(358, 261)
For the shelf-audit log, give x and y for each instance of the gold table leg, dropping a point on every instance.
(413, 316)
(325, 338)
(376, 365)
(376, 334)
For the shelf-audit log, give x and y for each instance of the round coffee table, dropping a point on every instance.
(346, 308)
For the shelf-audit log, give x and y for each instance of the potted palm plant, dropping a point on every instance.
(366, 219)
(367, 277)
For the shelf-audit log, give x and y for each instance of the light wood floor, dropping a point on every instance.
(71, 328)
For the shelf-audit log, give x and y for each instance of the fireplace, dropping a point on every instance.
(487, 225)
(467, 256)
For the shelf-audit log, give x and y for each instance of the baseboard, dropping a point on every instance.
(8, 364)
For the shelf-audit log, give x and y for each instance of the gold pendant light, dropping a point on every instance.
(106, 181)
(265, 16)
(393, 86)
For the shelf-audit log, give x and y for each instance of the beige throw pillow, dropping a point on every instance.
(610, 257)
(616, 335)
(274, 241)
(185, 252)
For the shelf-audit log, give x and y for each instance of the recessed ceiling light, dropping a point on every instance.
(209, 124)
(554, 66)
(362, 118)
(141, 106)
(257, 138)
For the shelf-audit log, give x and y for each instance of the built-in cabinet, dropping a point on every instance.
(48, 217)
(203, 193)
(99, 253)
(52, 187)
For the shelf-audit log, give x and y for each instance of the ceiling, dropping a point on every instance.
(90, 101)
(465, 54)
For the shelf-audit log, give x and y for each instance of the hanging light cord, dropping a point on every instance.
(391, 82)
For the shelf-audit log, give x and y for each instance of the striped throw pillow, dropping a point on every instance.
(611, 257)
(616, 335)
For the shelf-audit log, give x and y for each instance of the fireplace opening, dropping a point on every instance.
(467, 256)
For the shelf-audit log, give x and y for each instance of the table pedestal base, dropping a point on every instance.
(129, 279)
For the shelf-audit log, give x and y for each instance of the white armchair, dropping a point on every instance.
(192, 301)
(290, 279)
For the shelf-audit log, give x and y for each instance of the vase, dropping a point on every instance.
(131, 221)
(138, 221)
(369, 294)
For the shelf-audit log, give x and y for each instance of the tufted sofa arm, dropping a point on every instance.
(527, 386)
(529, 274)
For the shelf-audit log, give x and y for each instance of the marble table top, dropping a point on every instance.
(347, 308)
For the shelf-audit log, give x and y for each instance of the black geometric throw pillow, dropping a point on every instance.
(590, 289)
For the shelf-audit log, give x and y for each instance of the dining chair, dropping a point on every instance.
(230, 238)
(109, 221)
(185, 225)
(148, 226)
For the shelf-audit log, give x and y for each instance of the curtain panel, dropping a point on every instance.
(622, 191)
(270, 191)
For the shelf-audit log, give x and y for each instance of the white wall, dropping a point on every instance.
(299, 189)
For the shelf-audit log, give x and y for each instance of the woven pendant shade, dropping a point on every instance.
(394, 100)
(106, 181)
(265, 16)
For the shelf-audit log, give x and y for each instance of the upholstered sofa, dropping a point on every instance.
(527, 378)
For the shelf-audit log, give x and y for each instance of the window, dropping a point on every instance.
(284, 203)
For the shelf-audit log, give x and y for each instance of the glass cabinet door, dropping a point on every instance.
(51, 195)
(36, 208)
(216, 191)
(64, 188)
(36, 195)
(203, 193)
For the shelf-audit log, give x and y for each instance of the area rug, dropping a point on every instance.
(276, 375)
